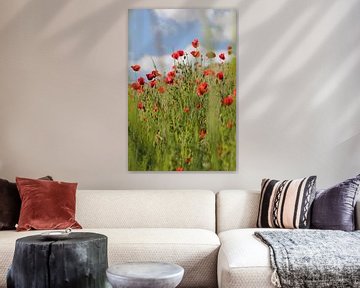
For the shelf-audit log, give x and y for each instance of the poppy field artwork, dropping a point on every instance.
(182, 90)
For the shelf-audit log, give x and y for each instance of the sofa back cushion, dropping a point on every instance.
(236, 209)
(146, 209)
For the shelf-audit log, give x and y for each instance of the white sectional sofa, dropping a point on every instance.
(177, 226)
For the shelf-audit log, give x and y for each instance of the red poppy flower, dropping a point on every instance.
(234, 92)
(220, 75)
(180, 52)
(171, 74)
(141, 81)
(140, 105)
(195, 43)
(136, 86)
(175, 55)
(136, 67)
(222, 56)
(186, 109)
(179, 169)
(161, 89)
(150, 76)
(228, 100)
(202, 134)
(194, 53)
(169, 80)
(208, 72)
(152, 83)
(202, 89)
(156, 73)
(188, 160)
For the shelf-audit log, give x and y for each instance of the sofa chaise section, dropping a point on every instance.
(243, 261)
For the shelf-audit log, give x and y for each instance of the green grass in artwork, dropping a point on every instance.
(184, 119)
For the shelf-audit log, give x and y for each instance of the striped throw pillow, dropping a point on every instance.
(286, 204)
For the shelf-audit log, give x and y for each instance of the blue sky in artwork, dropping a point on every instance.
(143, 38)
(153, 34)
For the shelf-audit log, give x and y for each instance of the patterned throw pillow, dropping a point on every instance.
(286, 204)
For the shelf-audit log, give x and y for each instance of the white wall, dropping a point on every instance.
(63, 92)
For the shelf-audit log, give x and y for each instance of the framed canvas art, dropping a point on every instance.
(182, 90)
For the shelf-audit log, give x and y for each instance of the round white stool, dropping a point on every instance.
(145, 275)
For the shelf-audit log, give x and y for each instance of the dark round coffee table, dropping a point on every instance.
(79, 260)
(145, 275)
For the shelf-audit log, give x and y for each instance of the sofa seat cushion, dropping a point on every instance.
(194, 249)
(244, 261)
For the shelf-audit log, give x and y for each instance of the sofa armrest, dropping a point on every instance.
(357, 215)
(236, 209)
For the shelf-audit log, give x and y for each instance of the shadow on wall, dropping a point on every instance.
(24, 19)
(307, 52)
(89, 30)
(275, 44)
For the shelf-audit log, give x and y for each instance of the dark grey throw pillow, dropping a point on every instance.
(10, 204)
(334, 208)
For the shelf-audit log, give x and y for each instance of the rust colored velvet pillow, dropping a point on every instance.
(46, 204)
(10, 204)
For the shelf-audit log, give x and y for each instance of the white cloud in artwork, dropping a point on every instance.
(178, 15)
(221, 22)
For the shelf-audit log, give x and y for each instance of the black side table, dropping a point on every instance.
(79, 261)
